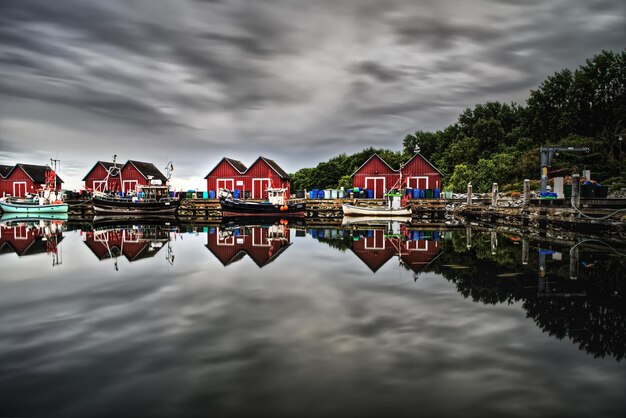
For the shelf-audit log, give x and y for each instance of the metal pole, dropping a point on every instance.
(469, 194)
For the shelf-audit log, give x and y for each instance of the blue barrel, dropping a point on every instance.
(172, 194)
(236, 193)
(422, 193)
(409, 192)
(211, 194)
(320, 233)
(415, 235)
(320, 195)
(236, 232)
(205, 195)
(212, 230)
(416, 193)
(436, 193)
(370, 193)
(436, 235)
(370, 233)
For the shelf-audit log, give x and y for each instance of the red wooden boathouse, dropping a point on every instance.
(131, 175)
(377, 175)
(253, 181)
(24, 240)
(25, 178)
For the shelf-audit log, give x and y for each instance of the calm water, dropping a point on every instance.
(287, 321)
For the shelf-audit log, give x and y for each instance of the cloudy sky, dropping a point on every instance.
(296, 81)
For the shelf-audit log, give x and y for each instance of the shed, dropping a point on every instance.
(253, 181)
(27, 178)
(139, 173)
(376, 174)
(95, 179)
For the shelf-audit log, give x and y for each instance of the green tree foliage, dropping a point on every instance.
(499, 142)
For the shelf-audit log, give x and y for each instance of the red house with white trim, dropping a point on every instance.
(25, 178)
(253, 181)
(130, 176)
(379, 176)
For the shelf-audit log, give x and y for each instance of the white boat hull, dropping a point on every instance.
(351, 210)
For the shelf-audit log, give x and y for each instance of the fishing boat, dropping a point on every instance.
(276, 205)
(393, 208)
(146, 200)
(47, 199)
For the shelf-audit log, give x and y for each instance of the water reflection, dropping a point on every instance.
(134, 242)
(262, 243)
(496, 323)
(31, 236)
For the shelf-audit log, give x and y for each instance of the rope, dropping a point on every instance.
(80, 203)
(596, 217)
(597, 240)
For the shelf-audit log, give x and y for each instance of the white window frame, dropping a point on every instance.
(217, 184)
(21, 229)
(126, 190)
(102, 186)
(417, 178)
(228, 242)
(259, 179)
(384, 179)
(415, 245)
(376, 231)
(254, 238)
(18, 183)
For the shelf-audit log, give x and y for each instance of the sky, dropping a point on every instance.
(297, 81)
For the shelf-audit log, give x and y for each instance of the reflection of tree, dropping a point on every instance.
(589, 311)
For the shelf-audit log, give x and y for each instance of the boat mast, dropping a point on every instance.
(53, 163)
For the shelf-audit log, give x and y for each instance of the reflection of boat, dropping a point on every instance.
(374, 220)
(276, 206)
(133, 220)
(394, 208)
(25, 217)
(28, 236)
(134, 242)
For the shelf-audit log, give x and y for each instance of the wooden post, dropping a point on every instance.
(526, 192)
(469, 194)
(468, 237)
(494, 242)
(494, 194)
(524, 251)
(573, 263)
(576, 190)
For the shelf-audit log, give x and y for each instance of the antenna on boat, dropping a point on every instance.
(53, 163)
(168, 170)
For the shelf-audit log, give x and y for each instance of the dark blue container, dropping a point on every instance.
(320, 233)
(236, 193)
(409, 192)
(415, 235)
(370, 233)
(211, 194)
(320, 194)
(422, 193)
(313, 231)
(436, 235)
(416, 193)
(437, 193)
(212, 230)
(370, 193)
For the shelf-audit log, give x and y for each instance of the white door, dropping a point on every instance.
(377, 184)
(129, 186)
(259, 188)
(99, 186)
(19, 189)
(228, 184)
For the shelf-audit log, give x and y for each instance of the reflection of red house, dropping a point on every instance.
(262, 244)
(132, 175)
(20, 179)
(132, 244)
(376, 249)
(24, 240)
(379, 176)
(233, 175)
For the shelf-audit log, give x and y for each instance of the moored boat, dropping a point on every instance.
(276, 206)
(32, 206)
(394, 208)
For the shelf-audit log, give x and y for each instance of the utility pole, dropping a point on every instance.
(547, 153)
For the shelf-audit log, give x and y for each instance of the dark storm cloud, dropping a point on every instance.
(241, 78)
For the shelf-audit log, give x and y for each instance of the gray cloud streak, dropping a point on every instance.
(296, 81)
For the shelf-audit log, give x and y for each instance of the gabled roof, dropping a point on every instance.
(5, 170)
(105, 164)
(368, 160)
(274, 167)
(37, 173)
(424, 158)
(236, 164)
(147, 169)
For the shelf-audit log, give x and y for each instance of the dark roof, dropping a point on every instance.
(148, 169)
(397, 170)
(236, 164)
(37, 173)
(104, 164)
(5, 170)
(276, 168)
